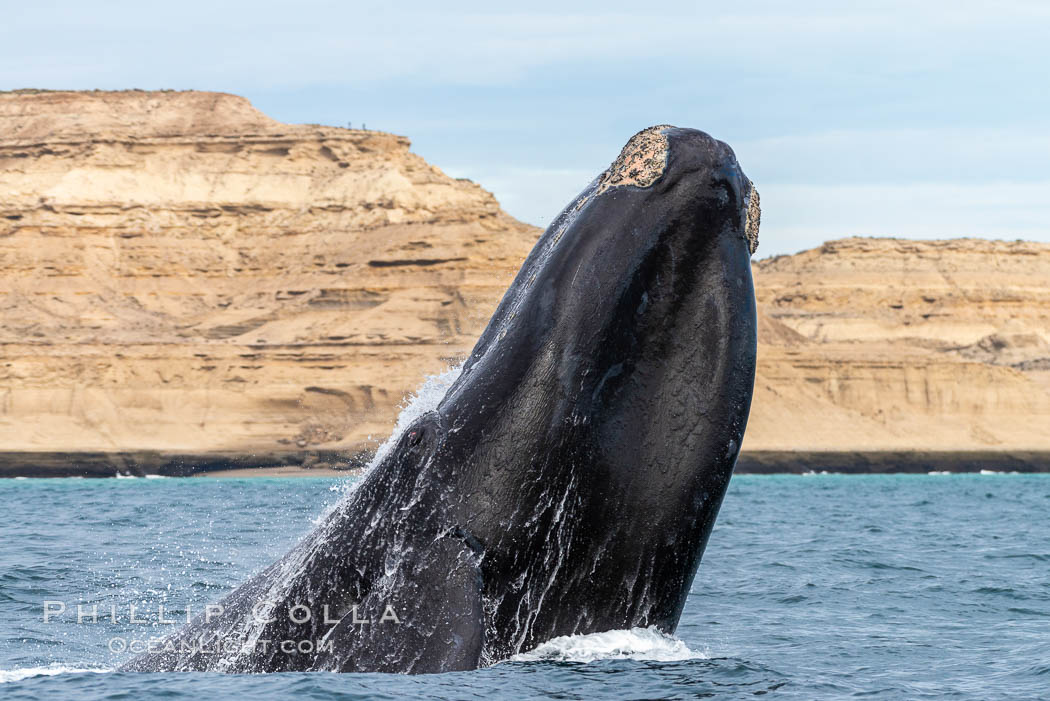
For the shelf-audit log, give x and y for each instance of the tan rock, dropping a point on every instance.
(889, 344)
(182, 273)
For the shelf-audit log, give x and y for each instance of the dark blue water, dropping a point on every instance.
(891, 586)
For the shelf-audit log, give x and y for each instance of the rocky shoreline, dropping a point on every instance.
(140, 463)
(890, 462)
(323, 463)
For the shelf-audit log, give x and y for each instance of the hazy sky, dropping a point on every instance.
(912, 119)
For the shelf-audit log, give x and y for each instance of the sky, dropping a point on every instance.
(920, 120)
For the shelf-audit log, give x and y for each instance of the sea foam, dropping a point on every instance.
(634, 644)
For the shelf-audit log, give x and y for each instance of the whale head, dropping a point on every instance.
(594, 427)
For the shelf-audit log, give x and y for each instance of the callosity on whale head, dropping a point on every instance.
(569, 479)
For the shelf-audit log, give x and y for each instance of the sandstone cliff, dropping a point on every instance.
(888, 345)
(189, 283)
(182, 273)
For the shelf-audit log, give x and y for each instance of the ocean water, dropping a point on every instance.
(812, 587)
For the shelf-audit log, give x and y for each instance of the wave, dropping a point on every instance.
(15, 675)
(634, 644)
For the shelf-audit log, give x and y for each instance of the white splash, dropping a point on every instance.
(424, 399)
(16, 675)
(634, 644)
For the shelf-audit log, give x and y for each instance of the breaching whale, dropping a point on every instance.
(568, 480)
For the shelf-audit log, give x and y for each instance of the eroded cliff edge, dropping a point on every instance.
(891, 346)
(189, 284)
(184, 275)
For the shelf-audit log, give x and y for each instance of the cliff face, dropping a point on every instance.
(887, 344)
(182, 273)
